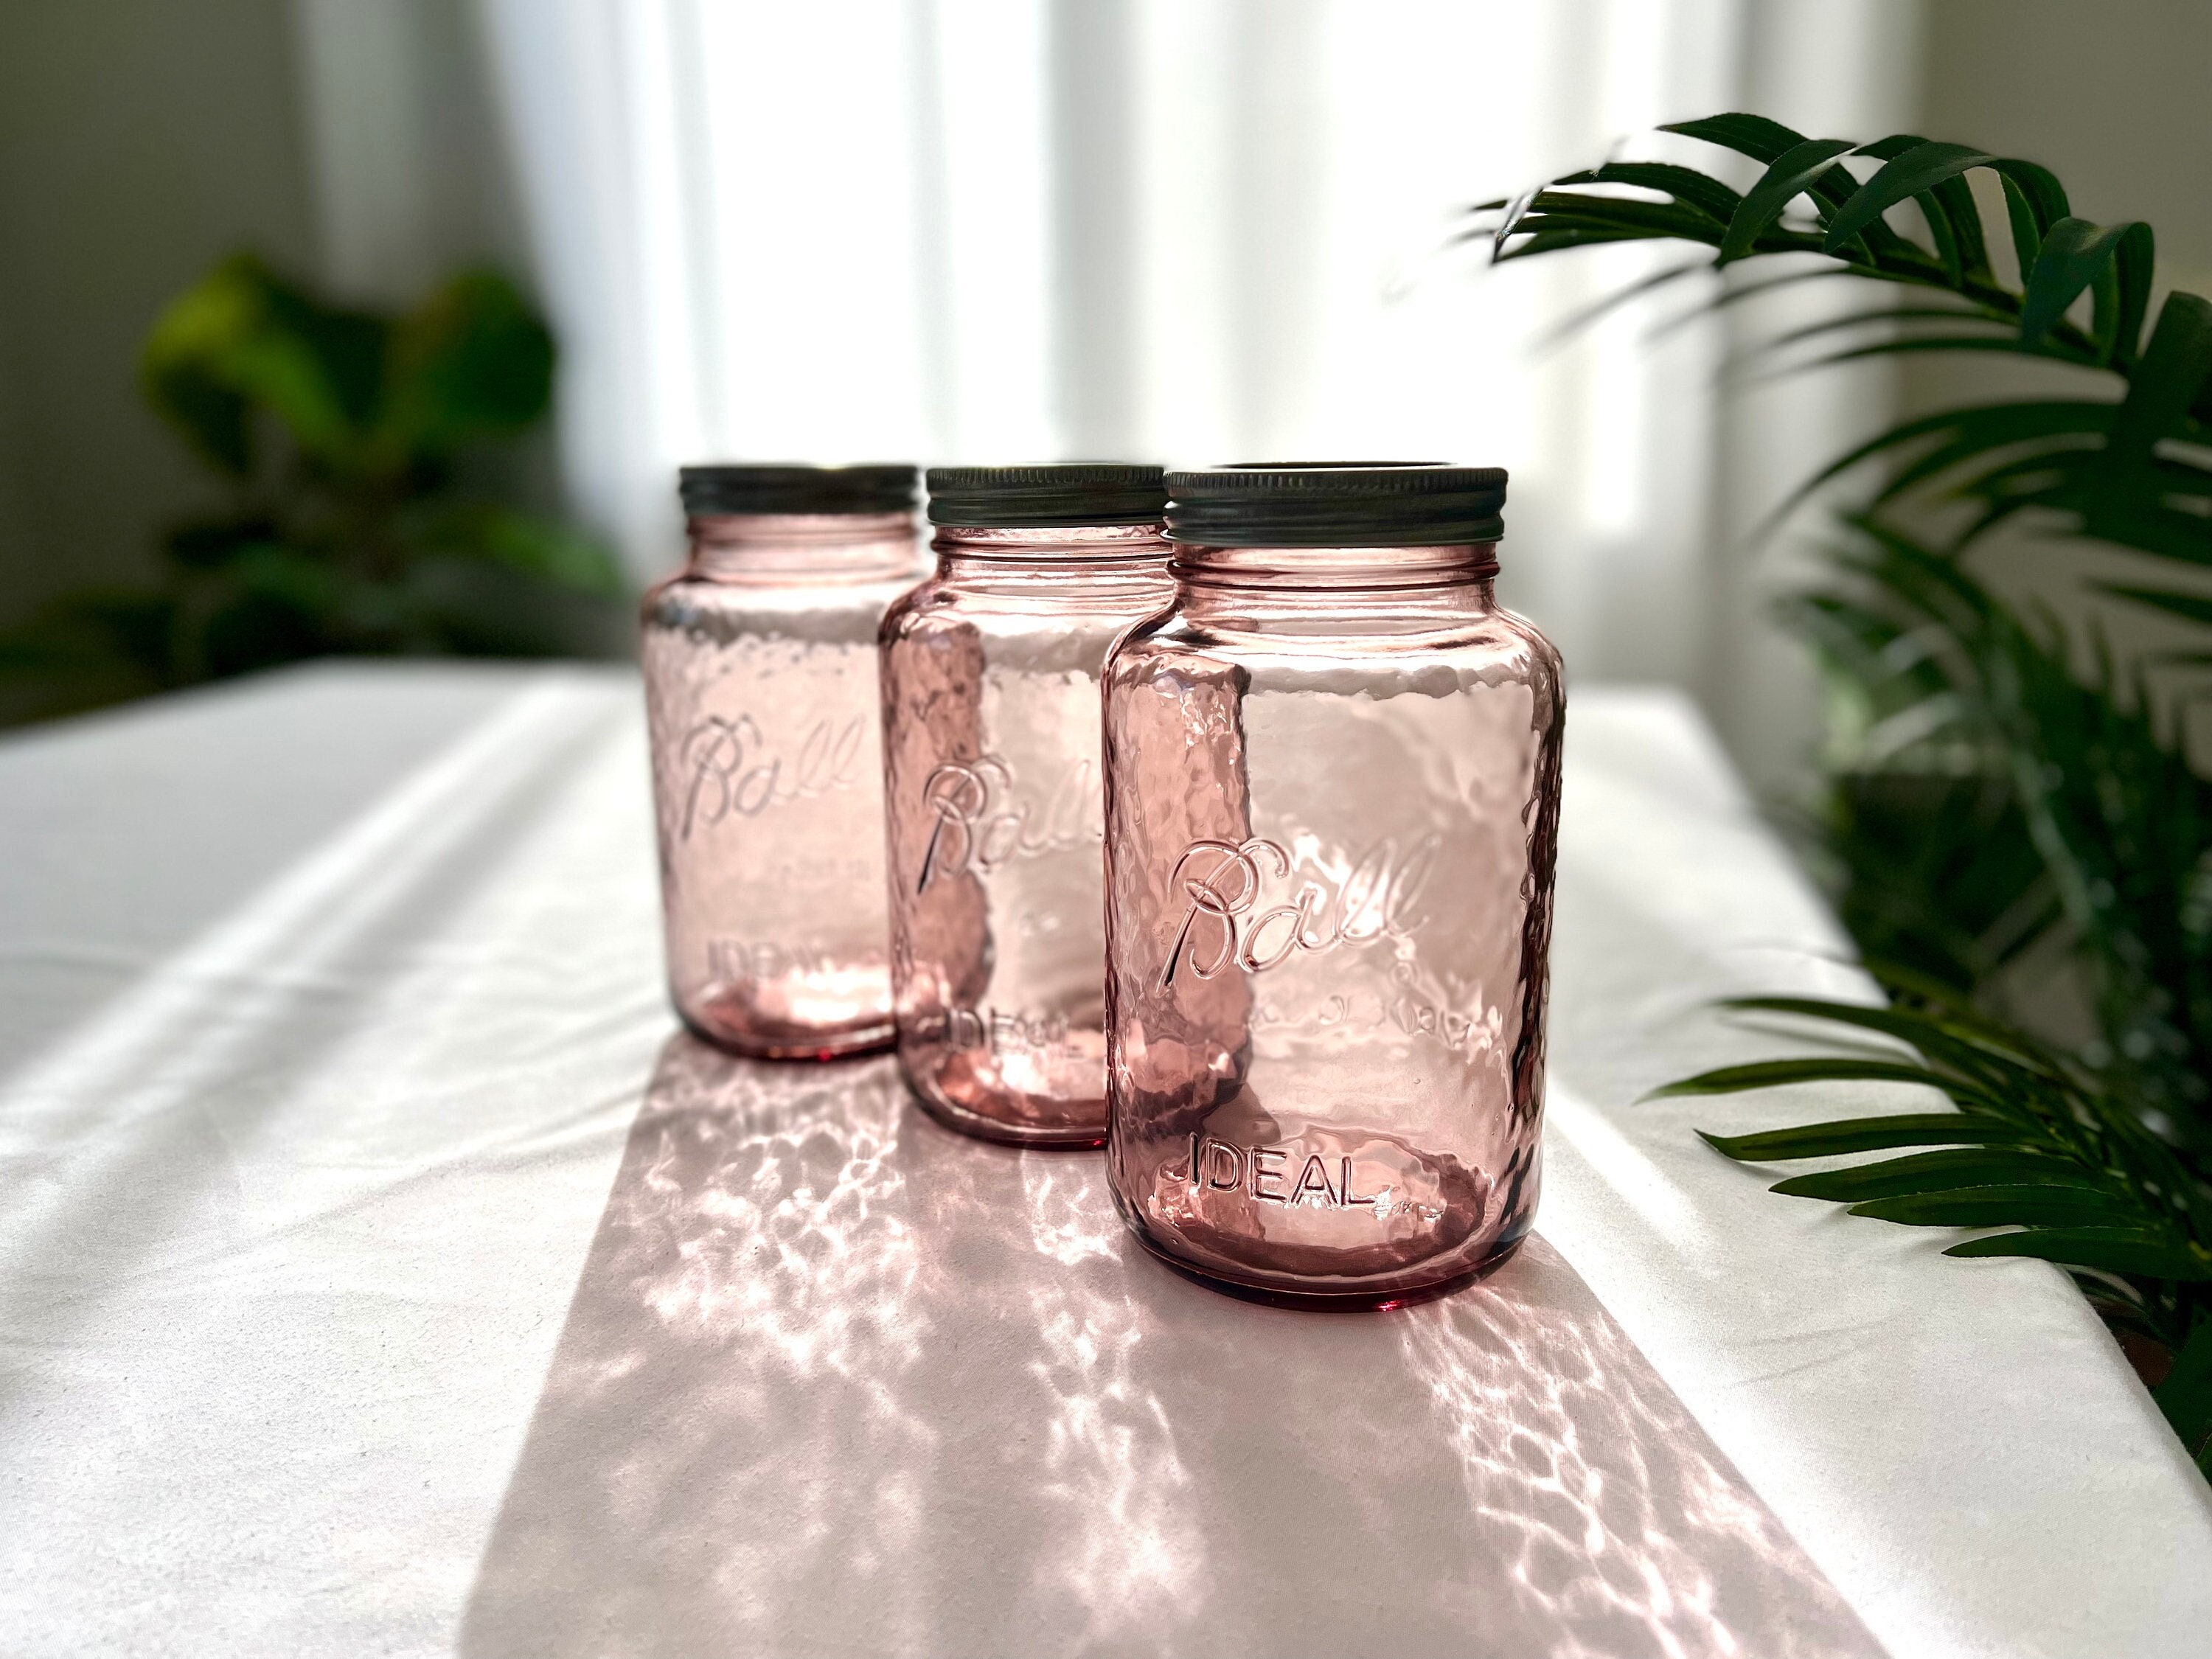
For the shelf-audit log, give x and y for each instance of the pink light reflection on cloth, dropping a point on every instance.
(835, 1379)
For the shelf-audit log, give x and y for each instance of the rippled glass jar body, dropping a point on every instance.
(762, 698)
(995, 804)
(1332, 797)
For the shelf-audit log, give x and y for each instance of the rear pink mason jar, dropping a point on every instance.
(762, 700)
(993, 788)
(1332, 773)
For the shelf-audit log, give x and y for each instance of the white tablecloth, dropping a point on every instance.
(378, 1275)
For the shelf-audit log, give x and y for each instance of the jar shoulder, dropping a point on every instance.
(1097, 611)
(914, 611)
(1494, 645)
(688, 602)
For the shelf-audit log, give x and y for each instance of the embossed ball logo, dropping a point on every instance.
(983, 821)
(1227, 925)
(735, 772)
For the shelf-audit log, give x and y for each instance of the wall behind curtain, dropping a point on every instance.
(1192, 230)
(140, 141)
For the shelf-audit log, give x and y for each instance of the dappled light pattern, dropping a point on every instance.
(1110, 1473)
(1604, 1507)
(837, 1379)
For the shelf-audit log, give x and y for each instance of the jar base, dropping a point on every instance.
(1409, 1291)
(963, 1121)
(849, 1044)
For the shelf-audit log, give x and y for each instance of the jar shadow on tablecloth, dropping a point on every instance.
(836, 1380)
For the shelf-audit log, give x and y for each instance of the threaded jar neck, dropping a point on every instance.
(1118, 545)
(795, 548)
(1324, 569)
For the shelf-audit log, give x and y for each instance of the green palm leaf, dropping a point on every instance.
(2167, 389)
(1950, 1171)
(2035, 1145)
(2074, 254)
(1921, 167)
(2175, 368)
(1755, 136)
(2139, 1252)
(1857, 1134)
(1687, 186)
(1986, 797)
(2032, 1204)
(1793, 172)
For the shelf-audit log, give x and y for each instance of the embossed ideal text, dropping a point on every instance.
(1277, 1174)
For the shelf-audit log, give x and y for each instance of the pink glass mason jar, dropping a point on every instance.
(1332, 774)
(992, 783)
(760, 697)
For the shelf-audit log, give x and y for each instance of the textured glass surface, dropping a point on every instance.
(1333, 796)
(991, 719)
(761, 692)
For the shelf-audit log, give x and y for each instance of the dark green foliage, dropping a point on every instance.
(1934, 871)
(2024, 799)
(1989, 794)
(339, 435)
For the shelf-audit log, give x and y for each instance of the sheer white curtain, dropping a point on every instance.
(1191, 230)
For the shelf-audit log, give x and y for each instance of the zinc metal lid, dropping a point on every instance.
(1337, 504)
(792, 487)
(1046, 497)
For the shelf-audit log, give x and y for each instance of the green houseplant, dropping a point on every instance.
(340, 438)
(1985, 796)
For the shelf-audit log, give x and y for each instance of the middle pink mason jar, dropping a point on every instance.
(1333, 777)
(993, 793)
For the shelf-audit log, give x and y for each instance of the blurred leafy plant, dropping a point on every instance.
(2089, 821)
(339, 434)
(1984, 798)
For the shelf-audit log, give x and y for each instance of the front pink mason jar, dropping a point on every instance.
(1332, 774)
(761, 696)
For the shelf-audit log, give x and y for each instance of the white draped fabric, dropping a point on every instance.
(1189, 230)
(1199, 230)
(380, 1274)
